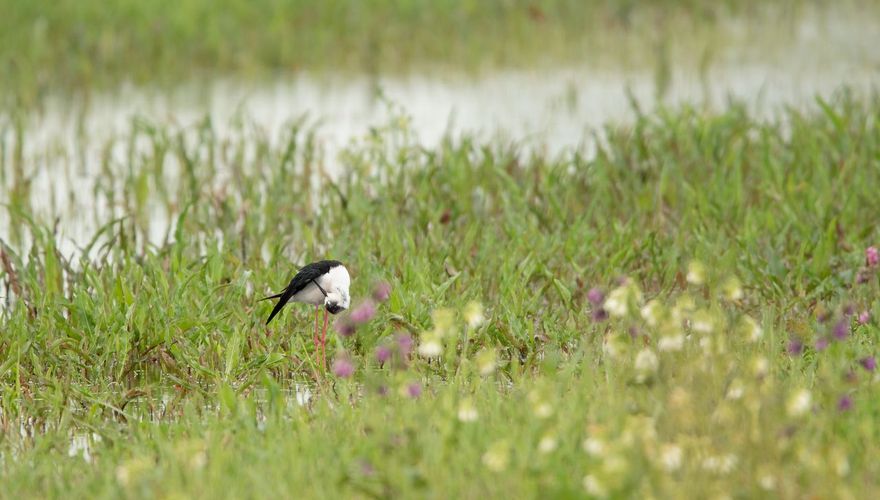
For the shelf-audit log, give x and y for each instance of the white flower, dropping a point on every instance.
(703, 322)
(497, 457)
(543, 410)
(594, 446)
(736, 389)
(760, 366)
(752, 328)
(616, 303)
(651, 313)
(611, 347)
(671, 457)
(799, 403)
(670, 343)
(443, 319)
(646, 363)
(706, 345)
(430, 347)
(473, 314)
(722, 464)
(767, 481)
(732, 289)
(547, 444)
(841, 462)
(696, 274)
(486, 362)
(594, 486)
(467, 412)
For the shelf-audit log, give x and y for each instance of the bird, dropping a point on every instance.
(323, 283)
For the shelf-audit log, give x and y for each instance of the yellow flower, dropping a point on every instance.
(671, 457)
(799, 403)
(467, 411)
(497, 457)
(547, 444)
(594, 486)
(732, 289)
(616, 304)
(651, 313)
(486, 362)
(473, 314)
(703, 321)
(594, 446)
(752, 329)
(443, 319)
(646, 364)
(760, 366)
(696, 274)
(736, 389)
(669, 343)
(540, 406)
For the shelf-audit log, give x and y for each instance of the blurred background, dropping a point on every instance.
(547, 75)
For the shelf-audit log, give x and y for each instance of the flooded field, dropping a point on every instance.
(552, 110)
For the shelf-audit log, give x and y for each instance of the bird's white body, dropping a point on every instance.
(336, 283)
(323, 283)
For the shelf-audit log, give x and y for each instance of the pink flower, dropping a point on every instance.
(872, 256)
(414, 390)
(364, 312)
(344, 327)
(404, 344)
(864, 317)
(595, 296)
(343, 367)
(382, 291)
(841, 329)
(795, 347)
(383, 354)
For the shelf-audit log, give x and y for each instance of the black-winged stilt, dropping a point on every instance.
(324, 283)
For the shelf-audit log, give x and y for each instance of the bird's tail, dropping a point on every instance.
(271, 297)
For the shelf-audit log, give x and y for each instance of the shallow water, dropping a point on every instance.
(553, 110)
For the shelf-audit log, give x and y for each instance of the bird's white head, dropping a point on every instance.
(337, 298)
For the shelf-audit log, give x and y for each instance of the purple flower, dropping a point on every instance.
(404, 344)
(795, 347)
(822, 344)
(381, 291)
(841, 329)
(595, 296)
(344, 327)
(869, 363)
(864, 317)
(364, 312)
(872, 256)
(343, 367)
(863, 276)
(848, 310)
(414, 389)
(845, 403)
(600, 314)
(383, 354)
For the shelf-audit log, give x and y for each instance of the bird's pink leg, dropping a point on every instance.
(324, 339)
(315, 338)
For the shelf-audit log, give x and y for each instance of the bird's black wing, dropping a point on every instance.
(306, 275)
